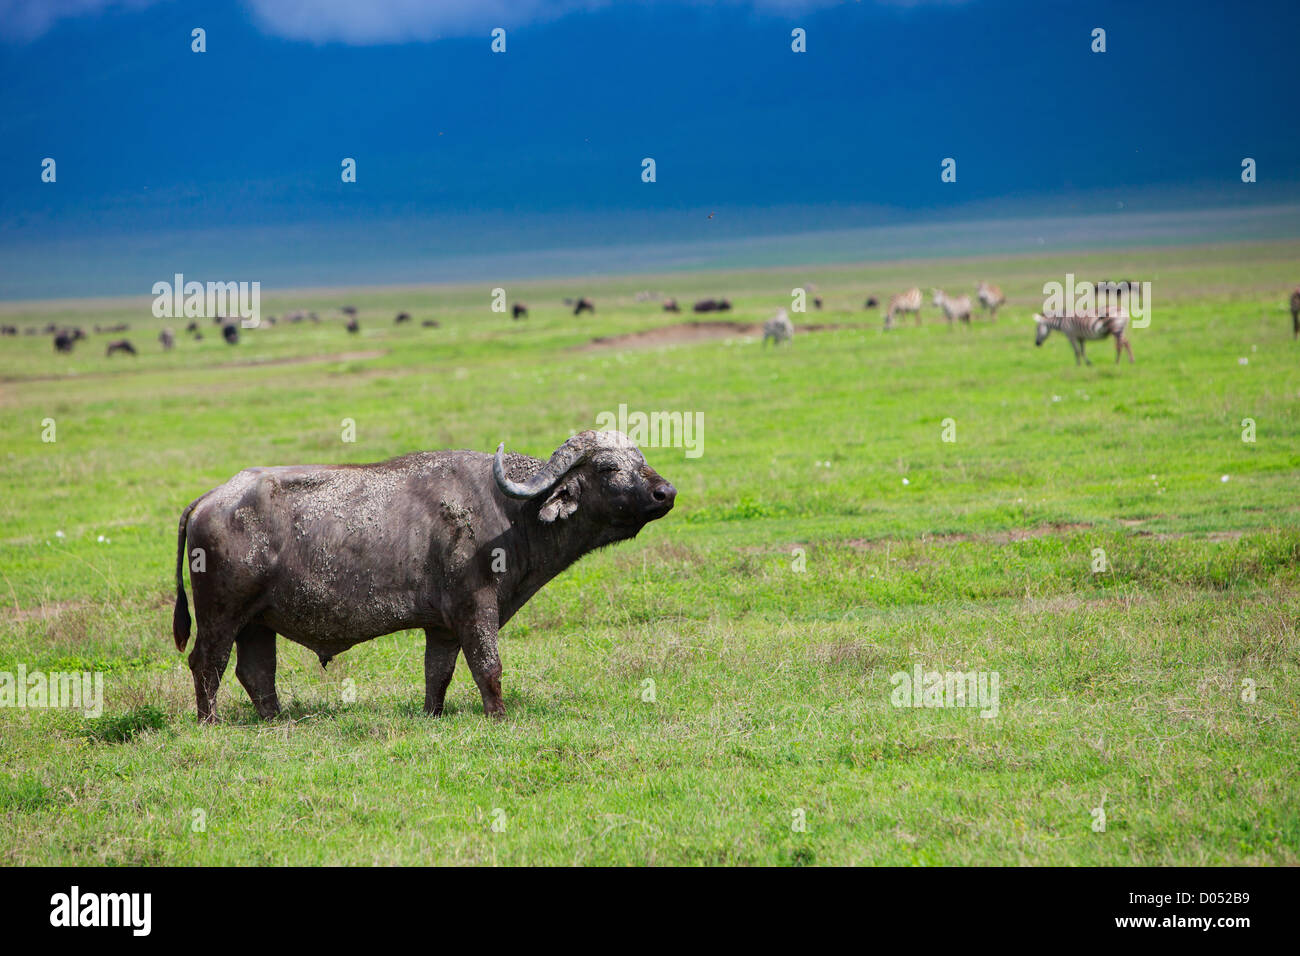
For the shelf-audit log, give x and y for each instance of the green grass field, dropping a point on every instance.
(826, 539)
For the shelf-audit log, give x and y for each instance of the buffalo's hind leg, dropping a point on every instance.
(440, 651)
(208, 663)
(255, 668)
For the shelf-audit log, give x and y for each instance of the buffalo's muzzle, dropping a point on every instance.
(664, 494)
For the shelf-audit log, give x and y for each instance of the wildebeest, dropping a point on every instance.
(778, 328)
(402, 317)
(353, 325)
(120, 345)
(584, 305)
(348, 310)
(192, 327)
(65, 339)
(430, 323)
(672, 306)
(230, 332)
(453, 542)
(817, 302)
(8, 330)
(519, 311)
(1295, 313)
(872, 302)
(712, 305)
(167, 338)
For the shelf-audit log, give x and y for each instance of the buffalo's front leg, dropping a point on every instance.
(478, 639)
(440, 650)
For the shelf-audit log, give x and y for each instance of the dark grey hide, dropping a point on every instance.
(454, 542)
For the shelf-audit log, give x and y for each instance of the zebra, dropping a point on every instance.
(779, 328)
(1086, 328)
(909, 301)
(1295, 313)
(958, 308)
(990, 297)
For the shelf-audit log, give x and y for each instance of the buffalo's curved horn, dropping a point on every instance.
(565, 457)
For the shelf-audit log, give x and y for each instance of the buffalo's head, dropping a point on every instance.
(602, 473)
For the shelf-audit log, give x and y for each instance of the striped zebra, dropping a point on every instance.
(779, 328)
(1295, 313)
(909, 301)
(958, 308)
(990, 297)
(1086, 328)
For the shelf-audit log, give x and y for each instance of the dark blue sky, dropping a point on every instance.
(150, 137)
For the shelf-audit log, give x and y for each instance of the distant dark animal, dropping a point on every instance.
(1086, 328)
(167, 339)
(349, 310)
(519, 311)
(313, 317)
(817, 302)
(8, 330)
(709, 305)
(198, 336)
(51, 329)
(121, 345)
(872, 302)
(230, 332)
(192, 327)
(353, 325)
(584, 305)
(64, 341)
(453, 542)
(120, 327)
(1295, 313)
(218, 320)
(430, 323)
(402, 317)
(672, 306)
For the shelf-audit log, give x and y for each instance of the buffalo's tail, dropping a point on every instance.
(181, 617)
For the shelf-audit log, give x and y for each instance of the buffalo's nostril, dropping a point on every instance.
(665, 492)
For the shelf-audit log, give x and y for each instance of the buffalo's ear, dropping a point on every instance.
(562, 502)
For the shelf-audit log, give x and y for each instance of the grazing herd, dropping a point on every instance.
(1109, 319)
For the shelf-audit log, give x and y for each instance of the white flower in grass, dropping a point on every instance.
(1243, 361)
(59, 534)
(906, 482)
(1224, 478)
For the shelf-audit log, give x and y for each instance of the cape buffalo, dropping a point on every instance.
(121, 345)
(519, 311)
(453, 542)
(584, 305)
(230, 333)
